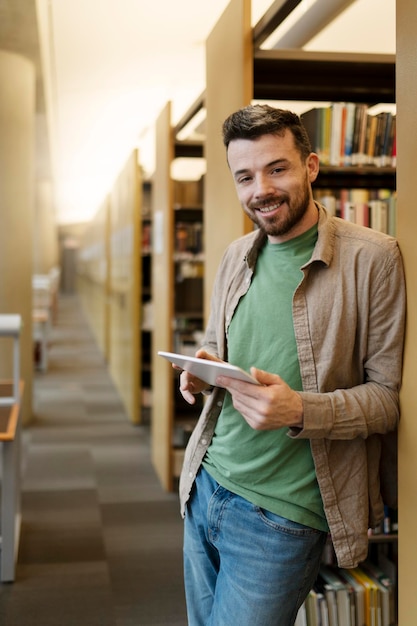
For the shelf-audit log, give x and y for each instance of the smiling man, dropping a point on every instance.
(314, 307)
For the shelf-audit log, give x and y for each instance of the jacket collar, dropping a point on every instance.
(323, 250)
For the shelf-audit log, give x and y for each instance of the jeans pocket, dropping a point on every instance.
(284, 525)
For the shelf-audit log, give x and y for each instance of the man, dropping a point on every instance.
(314, 307)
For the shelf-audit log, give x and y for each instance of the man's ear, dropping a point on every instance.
(313, 166)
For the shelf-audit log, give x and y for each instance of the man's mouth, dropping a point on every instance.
(269, 207)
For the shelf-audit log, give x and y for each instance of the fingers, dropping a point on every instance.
(203, 354)
(188, 396)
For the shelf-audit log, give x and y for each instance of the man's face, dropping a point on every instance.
(274, 185)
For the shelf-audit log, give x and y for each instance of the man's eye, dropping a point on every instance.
(244, 179)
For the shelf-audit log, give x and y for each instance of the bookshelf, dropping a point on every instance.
(163, 298)
(188, 320)
(177, 288)
(108, 279)
(406, 229)
(146, 303)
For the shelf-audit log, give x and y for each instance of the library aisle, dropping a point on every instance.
(101, 543)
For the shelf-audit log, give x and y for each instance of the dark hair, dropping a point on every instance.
(256, 120)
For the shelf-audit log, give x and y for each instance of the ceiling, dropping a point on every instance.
(105, 69)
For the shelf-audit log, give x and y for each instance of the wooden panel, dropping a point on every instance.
(229, 86)
(406, 232)
(162, 290)
(125, 296)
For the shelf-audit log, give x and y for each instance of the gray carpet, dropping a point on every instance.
(101, 543)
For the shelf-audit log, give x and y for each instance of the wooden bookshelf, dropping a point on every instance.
(108, 280)
(177, 292)
(146, 318)
(406, 230)
(163, 299)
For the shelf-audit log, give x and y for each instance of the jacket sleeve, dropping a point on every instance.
(371, 404)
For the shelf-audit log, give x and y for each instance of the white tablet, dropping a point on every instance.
(208, 370)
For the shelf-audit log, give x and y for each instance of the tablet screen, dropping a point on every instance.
(208, 370)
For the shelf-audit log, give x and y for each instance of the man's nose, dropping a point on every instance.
(263, 186)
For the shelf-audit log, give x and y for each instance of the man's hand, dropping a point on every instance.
(191, 385)
(268, 406)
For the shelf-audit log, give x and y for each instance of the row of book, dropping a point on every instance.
(189, 237)
(346, 133)
(373, 208)
(364, 596)
(388, 525)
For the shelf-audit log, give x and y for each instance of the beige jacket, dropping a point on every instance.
(348, 313)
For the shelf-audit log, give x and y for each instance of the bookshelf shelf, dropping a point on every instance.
(365, 176)
(324, 76)
(381, 538)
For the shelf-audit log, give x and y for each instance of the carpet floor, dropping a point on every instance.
(101, 542)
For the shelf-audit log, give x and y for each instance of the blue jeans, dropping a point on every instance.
(242, 564)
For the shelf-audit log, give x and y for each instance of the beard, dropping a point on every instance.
(284, 221)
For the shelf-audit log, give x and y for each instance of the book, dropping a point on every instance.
(371, 133)
(327, 198)
(379, 214)
(317, 125)
(326, 135)
(372, 605)
(359, 134)
(342, 595)
(349, 123)
(359, 597)
(301, 619)
(312, 608)
(336, 139)
(312, 122)
(387, 147)
(360, 200)
(387, 590)
(381, 139)
(345, 209)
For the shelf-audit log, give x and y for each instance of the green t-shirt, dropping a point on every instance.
(268, 468)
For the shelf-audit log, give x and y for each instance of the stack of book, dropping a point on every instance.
(364, 596)
(346, 133)
(374, 208)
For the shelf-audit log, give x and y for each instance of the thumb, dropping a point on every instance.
(203, 354)
(265, 378)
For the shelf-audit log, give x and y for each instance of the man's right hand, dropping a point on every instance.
(191, 385)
